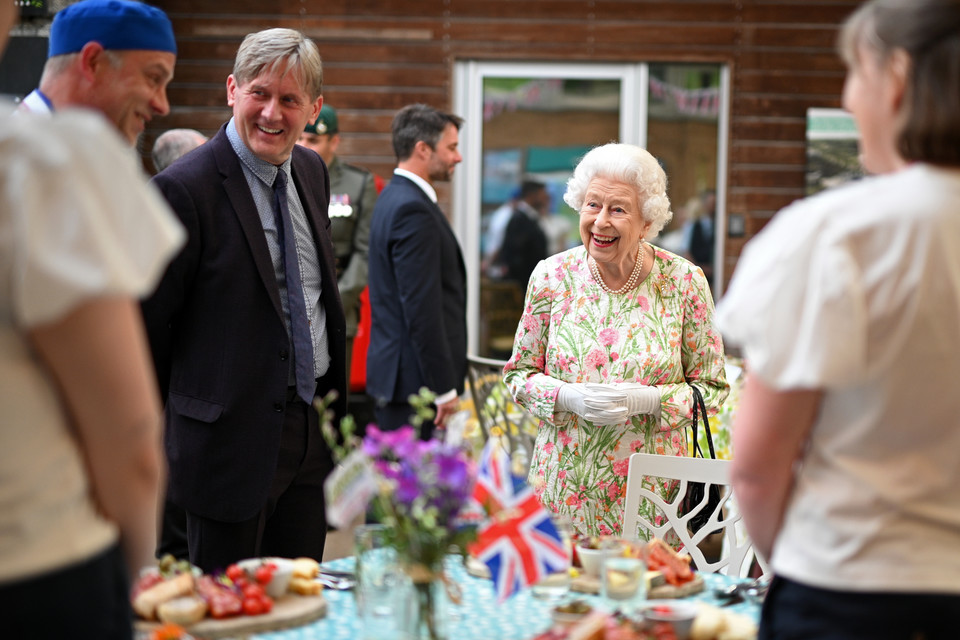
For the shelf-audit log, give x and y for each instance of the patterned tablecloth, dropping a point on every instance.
(480, 617)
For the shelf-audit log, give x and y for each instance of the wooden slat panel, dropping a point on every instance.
(812, 61)
(756, 202)
(356, 52)
(780, 106)
(795, 84)
(767, 177)
(783, 36)
(753, 128)
(754, 153)
(799, 13)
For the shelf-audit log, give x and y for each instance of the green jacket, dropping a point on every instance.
(352, 196)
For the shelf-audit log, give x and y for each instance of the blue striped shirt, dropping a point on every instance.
(260, 177)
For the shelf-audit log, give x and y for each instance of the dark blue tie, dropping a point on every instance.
(299, 322)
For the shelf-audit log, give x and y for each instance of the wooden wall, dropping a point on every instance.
(382, 54)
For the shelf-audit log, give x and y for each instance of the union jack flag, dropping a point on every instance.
(520, 545)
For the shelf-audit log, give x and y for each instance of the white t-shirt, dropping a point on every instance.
(857, 292)
(77, 221)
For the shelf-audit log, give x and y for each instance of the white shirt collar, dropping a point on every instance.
(420, 182)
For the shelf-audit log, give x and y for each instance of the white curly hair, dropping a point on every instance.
(631, 165)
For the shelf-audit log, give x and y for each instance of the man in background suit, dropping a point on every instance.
(418, 336)
(246, 326)
(524, 241)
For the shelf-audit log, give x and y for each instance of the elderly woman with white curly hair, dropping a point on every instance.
(612, 334)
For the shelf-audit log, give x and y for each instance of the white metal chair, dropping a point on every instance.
(737, 553)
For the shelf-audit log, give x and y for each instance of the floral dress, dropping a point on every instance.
(659, 334)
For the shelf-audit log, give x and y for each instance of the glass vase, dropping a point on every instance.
(427, 609)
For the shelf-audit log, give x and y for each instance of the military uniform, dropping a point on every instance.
(352, 196)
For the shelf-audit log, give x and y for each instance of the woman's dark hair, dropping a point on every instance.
(416, 122)
(928, 31)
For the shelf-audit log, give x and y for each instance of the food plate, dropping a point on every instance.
(658, 588)
(288, 611)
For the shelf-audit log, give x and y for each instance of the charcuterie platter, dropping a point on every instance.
(251, 596)
(288, 611)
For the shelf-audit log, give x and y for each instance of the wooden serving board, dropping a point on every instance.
(658, 589)
(583, 583)
(289, 611)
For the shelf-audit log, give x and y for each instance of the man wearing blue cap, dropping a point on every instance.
(113, 56)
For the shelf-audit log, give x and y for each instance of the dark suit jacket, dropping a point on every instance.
(217, 333)
(524, 245)
(418, 293)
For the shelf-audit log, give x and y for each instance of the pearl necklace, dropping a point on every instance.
(631, 281)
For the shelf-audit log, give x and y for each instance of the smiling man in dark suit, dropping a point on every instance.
(418, 283)
(247, 326)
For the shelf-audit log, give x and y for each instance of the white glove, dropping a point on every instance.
(598, 403)
(641, 399)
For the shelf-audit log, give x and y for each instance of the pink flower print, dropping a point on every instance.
(562, 474)
(614, 356)
(596, 359)
(573, 500)
(548, 448)
(605, 530)
(636, 446)
(538, 362)
(565, 439)
(613, 491)
(677, 441)
(644, 303)
(530, 323)
(620, 467)
(609, 336)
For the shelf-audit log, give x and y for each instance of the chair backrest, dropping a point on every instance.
(495, 407)
(737, 555)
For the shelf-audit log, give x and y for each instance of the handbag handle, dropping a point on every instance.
(700, 407)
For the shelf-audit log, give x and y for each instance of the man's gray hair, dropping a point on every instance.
(281, 50)
(173, 144)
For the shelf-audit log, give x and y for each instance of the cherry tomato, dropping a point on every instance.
(241, 582)
(253, 590)
(263, 574)
(252, 606)
(234, 571)
(267, 603)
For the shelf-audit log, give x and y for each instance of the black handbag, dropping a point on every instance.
(695, 490)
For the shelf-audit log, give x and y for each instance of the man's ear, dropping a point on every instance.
(422, 150)
(231, 90)
(91, 58)
(317, 105)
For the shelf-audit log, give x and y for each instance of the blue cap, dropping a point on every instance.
(116, 24)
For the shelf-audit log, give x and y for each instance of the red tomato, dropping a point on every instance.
(252, 606)
(253, 590)
(234, 571)
(263, 574)
(241, 582)
(267, 604)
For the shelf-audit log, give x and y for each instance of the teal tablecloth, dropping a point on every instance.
(481, 617)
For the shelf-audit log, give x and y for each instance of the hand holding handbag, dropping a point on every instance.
(695, 490)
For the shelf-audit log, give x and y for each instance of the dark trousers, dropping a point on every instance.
(393, 415)
(792, 611)
(293, 523)
(90, 599)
